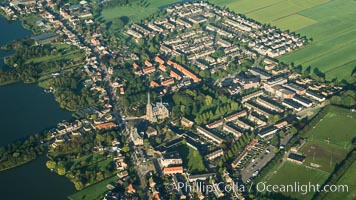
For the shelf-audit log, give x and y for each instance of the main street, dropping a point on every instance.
(91, 50)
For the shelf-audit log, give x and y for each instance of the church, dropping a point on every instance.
(156, 112)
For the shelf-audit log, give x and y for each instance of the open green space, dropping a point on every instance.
(95, 191)
(192, 160)
(291, 173)
(134, 11)
(294, 22)
(323, 154)
(337, 127)
(329, 23)
(347, 179)
(69, 53)
(330, 139)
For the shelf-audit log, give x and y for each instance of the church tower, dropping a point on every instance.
(149, 109)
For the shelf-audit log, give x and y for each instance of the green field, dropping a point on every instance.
(94, 191)
(192, 160)
(347, 179)
(330, 140)
(337, 127)
(136, 11)
(291, 173)
(323, 154)
(329, 22)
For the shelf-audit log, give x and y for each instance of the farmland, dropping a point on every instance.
(291, 173)
(333, 45)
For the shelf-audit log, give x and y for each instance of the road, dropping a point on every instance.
(117, 111)
(309, 111)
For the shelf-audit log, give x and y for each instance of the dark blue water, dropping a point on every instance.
(24, 110)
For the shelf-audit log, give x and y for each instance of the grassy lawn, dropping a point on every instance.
(329, 23)
(95, 191)
(192, 160)
(338, 127)
(135, 12)
(291, 173)
(68, 55)
(323, 154)
(347, 179)
(330, 140)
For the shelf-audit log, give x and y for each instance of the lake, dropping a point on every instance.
(26, 109)
(34, 181)
(10, 31)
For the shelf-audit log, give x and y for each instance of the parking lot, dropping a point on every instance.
(255, 164)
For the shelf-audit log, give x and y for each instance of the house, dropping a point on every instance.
(235, 116)
(186, 122)
(302, 100)
(148, 63)
(108, 125)
(131, 189)
(172, 158)
(173, 74)
(292, 104)
(239, 158)
(44, 38)
(154, 84)
(167, 82)
(159, 60)
(296, 88)
(162, 67)
(315, 96)
(234, 132)
(151, 132)
(252, 95)
(200, 177)
(215, 124)
(209, 136)
(214, 154)
(122, 90)
(270, 104)
(281, 124)
(296, 158)
(135, 137)
(282, 92)
(149, 70)
(267, 132)
(172, 170)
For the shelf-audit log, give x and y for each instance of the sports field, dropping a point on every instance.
(331, 24)
(330, 140)
(291, 173)
(337, 127)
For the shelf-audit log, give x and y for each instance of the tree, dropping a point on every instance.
(293, 130)
(61, 171)
(78, 185)
(51, 164)
(125, 149)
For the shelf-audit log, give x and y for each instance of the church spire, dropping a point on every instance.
(148, 98)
